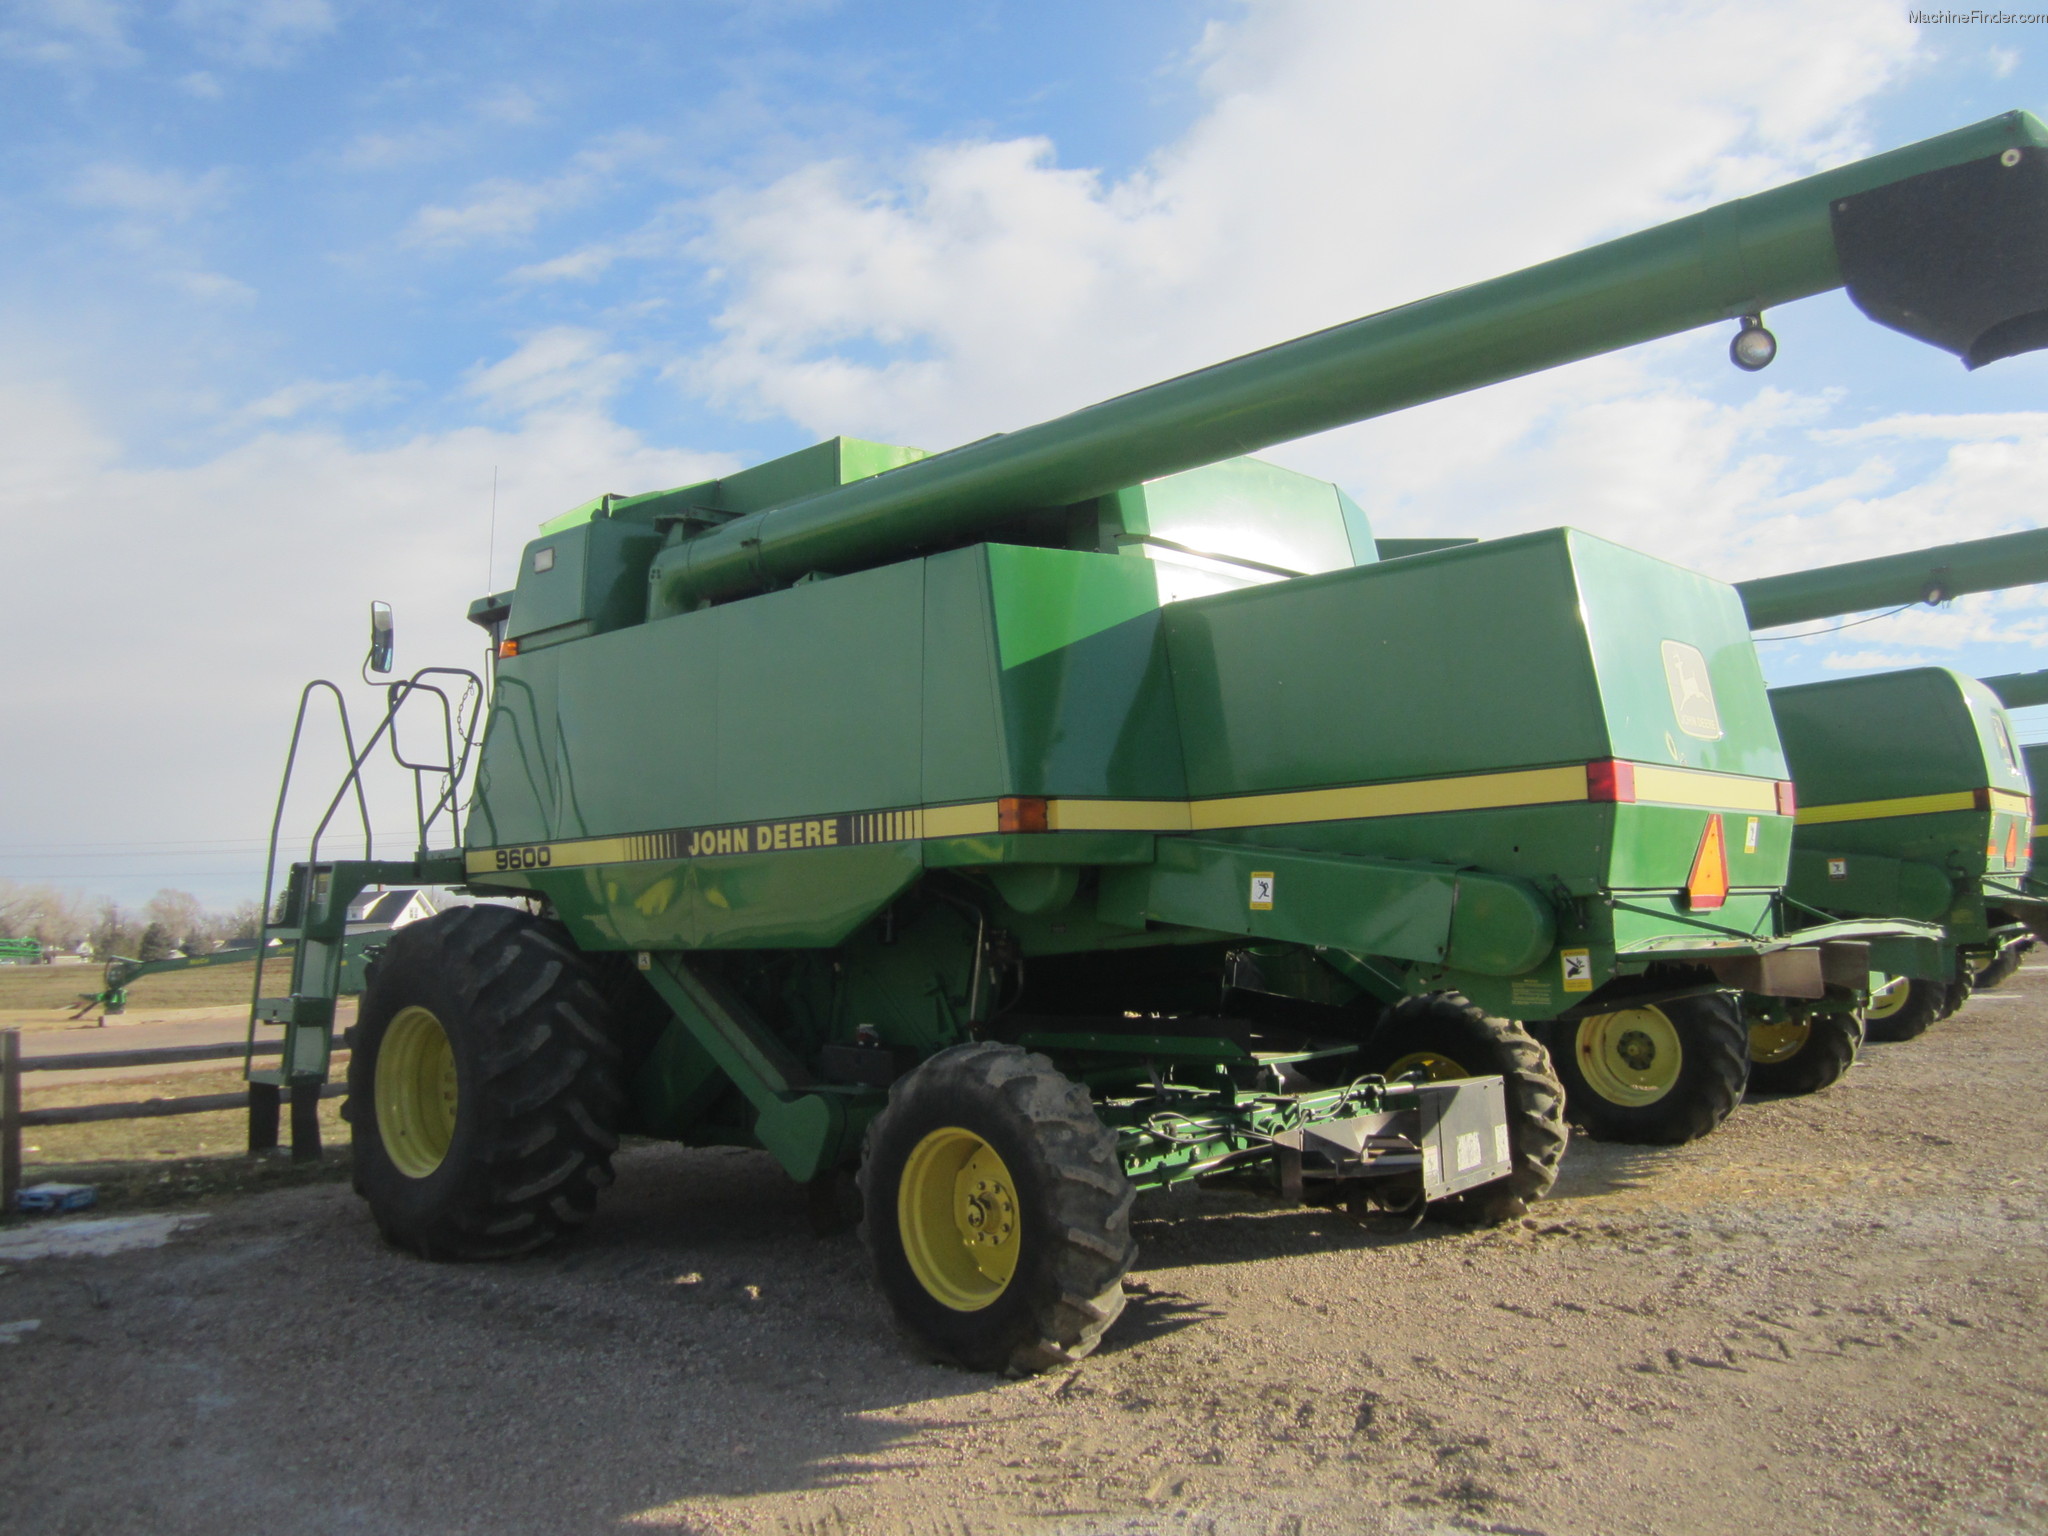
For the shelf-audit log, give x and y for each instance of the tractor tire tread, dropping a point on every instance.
(1089, 1212)
(549, 1101)
(1537, 1129)
(1826, 1057)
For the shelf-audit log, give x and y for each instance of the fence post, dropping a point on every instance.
(264, 1103)
(305, 1122)
(10, 1118)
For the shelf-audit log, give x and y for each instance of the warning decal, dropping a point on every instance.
(1262, 890)
(1578, 969)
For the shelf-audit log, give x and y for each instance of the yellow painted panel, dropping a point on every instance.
(1716, 791)
(960, 820)
(1117, 816)
(1473, 792)
(1872, 810)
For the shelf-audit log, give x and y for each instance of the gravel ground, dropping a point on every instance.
(1824, 1318)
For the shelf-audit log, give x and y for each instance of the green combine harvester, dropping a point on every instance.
(1930, 827)
(23, 951)
(1091, 809)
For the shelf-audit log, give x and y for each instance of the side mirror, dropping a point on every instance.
(382, 637)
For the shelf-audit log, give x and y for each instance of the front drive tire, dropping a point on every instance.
(997, 1213)
(1804, 1055)
(1445, 1035)
(2000, 969)
(1905, 1008)
(1662, 1074)
(484, 1086)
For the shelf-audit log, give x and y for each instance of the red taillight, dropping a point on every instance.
(1611, 782)
(1788, 798)
(1707, 886)
(1020, 813)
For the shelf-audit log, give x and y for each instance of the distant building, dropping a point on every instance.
(381, 911)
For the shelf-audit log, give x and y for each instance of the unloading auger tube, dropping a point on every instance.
(1943, 240)
(2020, 690)
(1933, 575)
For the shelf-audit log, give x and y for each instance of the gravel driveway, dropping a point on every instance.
(1827, 1317)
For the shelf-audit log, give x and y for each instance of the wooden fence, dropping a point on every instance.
(260, 1099)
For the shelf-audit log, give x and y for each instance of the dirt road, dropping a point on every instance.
(1825, 1318)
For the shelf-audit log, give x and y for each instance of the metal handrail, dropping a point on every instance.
(453, 768)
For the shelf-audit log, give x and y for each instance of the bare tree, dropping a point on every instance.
(182, 917)
(114, 930)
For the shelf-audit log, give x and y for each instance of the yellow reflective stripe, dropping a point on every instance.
(1117, 815)
(1473, 792)
(2011, 800)
(1873, 810)
(980, 818)
(974, 820)
(1695, 786)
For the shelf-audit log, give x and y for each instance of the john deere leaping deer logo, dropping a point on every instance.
(1692, 691)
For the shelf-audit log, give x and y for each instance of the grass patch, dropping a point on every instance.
(166, 1138)
(206, 986)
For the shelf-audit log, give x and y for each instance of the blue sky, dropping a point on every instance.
(287, 283)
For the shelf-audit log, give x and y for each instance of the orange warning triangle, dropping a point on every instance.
(1707, 886)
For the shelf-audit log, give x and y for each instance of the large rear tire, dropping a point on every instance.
(1661, 1074)
(1445, 1035)
(1905, 1008)
(1805, 1055)
(484, 1090)
(996, 1211)
(2001, 968)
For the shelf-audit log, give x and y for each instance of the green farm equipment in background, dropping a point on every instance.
(1090, 809)
(1929, 826)
(2021, 690)
(21, 952)
(121, 972)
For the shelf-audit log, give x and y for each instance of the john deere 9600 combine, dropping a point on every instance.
(1090, 809)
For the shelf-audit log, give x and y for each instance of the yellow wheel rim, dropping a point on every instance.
(1889, 998)
(416, 1092)
(1435, 1067)
(1630, 1058)
(1771, 1043)
(956, 1210)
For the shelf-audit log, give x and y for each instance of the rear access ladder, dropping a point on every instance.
(312, 916)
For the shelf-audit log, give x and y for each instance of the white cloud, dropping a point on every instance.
(323, 396)
(1328, 176)
(260, 33)
(237, 578)
(562, 367)
(74, 33)
(210, 287)
(509, 104)
(1983, 426)
(503, 208)
(145, 195)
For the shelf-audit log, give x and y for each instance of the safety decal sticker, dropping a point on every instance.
(1749, 834)
(1838, 869)
(1262, 890)
(1578, 969)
